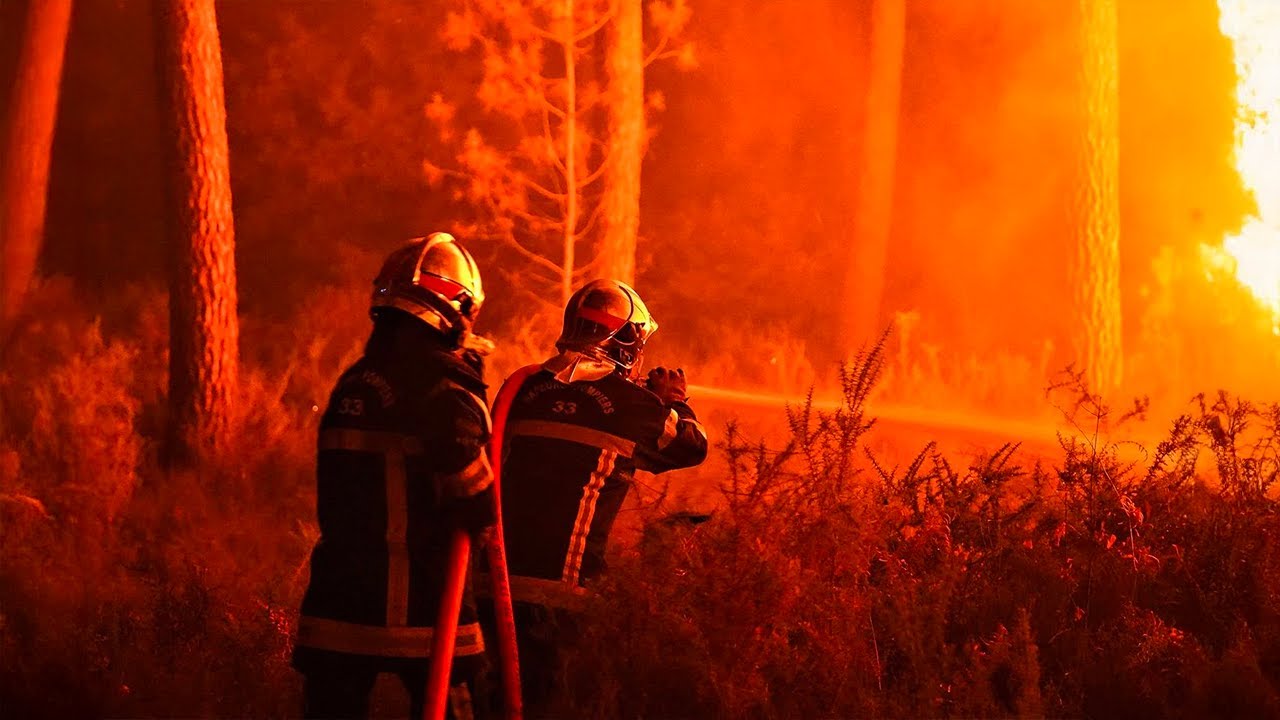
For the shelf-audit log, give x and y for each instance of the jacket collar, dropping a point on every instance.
(571, 366)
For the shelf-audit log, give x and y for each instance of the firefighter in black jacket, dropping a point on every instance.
(577, 432)
(401, 461)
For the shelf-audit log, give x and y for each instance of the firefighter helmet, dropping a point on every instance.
(607, 320)
(434, 279)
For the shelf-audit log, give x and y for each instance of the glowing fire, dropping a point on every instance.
(1253, 26)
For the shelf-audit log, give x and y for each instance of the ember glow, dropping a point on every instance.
(1253, 26)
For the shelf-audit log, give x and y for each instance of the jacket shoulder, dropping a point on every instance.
(633, 393)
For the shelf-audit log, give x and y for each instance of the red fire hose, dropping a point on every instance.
(446, 630)
(502, 610)
(455, 581)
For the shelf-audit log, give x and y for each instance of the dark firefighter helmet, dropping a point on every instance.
(434, 279)
(607, 320)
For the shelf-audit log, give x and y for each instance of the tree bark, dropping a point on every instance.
(570, 155)
(621, 212)
(868, 253)
(28, 146)
(203, 325)
(1095, 201)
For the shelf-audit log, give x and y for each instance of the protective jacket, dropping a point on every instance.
(570, 455)
(400, 462)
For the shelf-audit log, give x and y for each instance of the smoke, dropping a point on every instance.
(750, 182)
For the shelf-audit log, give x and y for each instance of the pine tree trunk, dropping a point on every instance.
(1095, 202)
(568, 261)
(203, 326)
(868, 253)
(621, 212)
(24, 186)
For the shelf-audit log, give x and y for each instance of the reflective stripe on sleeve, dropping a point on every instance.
(471, 479)
(539, 591)
(586, 512)
(369, 441)
(698, 426)
(357, 639)
(573, 433)
(669, 430)
(397, 489)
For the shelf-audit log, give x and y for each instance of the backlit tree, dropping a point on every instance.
(546, 178)
(33, 110)
(203, 325)
(868, 253)
(1095, 201)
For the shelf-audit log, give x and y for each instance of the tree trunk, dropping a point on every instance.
(28, 145)
(203, 328)
(868, 253)
(621, 212)
(1095, 202)
(570, 155)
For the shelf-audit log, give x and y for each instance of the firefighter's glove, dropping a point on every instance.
(669, 385)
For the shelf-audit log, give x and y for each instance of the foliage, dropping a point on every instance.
(531, 167)
(126, 591)
(834, 586)
(831, 583)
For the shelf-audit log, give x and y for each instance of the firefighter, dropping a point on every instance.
(401, 462)
(577, 431)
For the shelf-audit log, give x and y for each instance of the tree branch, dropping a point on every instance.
(590, 224)
(605, 17)
(551, 141)
(509, 237)
(657, 51)
(538, 189)
(663, 56)
(513, 281)
(546, 34)
(586, 269)
(532, 256)
(550, 107)
(595, 174)
(536, 221)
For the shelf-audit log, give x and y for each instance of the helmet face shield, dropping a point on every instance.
(607, 319)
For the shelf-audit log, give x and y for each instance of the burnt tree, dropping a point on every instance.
(33, 111)
(1094, 212)
(203, 327)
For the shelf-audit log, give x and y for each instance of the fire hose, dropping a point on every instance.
(446, 626)
(443, 640)
(906, 415)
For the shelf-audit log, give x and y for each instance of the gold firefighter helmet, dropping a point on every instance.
(607, 320)
(434, 279)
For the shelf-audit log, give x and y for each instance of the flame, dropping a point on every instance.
(1253, 26)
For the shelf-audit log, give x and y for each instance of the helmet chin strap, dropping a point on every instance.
(455, 332)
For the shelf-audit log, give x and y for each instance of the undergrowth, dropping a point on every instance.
(1115, 581)
(1111, 583)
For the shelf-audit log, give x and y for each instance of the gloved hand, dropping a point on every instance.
(669, 385)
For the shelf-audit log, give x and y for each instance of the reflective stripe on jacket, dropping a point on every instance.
(571, 453)
(400, 460)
